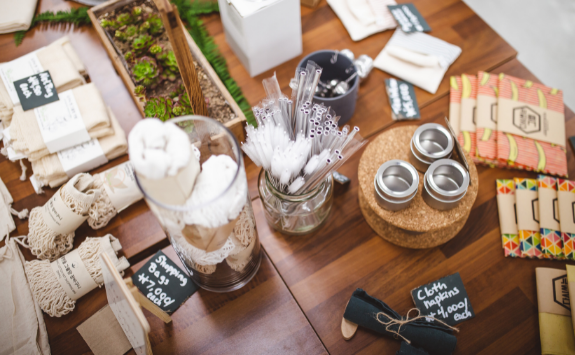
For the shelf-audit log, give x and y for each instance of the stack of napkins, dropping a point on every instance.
(509, 122)
(16, 15)
(363, 18)
(536, 217)
(417, 58)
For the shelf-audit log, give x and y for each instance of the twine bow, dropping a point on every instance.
(407, 320)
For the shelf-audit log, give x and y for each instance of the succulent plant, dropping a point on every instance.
(140, 92)
(182, 105)
(146, 72)
(131, 31)
(169, 64)
(124, 19)
(142, 43)
(121, 35)
(136, 11)
(109, 24)
(159, 107)
(129, 56)
(153, 25)
(156, 49)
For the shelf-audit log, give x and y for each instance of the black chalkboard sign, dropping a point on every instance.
(444, 299)
(36, 90)
(408, 18)
(402, 100)
(164, 283)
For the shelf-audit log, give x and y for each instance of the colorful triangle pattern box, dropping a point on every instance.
(566, 200)
(526, 199)
(551, 241)
(507, 217)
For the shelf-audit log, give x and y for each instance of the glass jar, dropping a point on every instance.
(219, 256)
(295, 215)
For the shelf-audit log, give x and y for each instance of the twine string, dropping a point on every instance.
(407, 320)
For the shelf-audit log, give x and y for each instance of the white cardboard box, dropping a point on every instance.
(263, 34)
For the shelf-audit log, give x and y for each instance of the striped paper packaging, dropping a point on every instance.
(526, 202)
(566, 199)
(455, 103)
(527, 110)
(466, 136)
(486, 119)
(507, 217)
(550, 231)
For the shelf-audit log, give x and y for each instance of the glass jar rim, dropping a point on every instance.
(239, 157)
(292, 198)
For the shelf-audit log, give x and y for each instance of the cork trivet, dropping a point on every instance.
(418, 217)
(407, 239)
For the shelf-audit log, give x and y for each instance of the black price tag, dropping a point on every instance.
(402, 100)
(444, 299)
(36, 90)
(164, 283)
(408, 18)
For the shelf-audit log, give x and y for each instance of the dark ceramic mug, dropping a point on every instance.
(343, 105)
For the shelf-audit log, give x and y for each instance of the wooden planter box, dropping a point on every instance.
(237, 125)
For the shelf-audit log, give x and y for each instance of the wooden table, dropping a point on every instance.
(295, 302)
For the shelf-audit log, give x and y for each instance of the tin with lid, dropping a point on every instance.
(430, 142)
(445, 184)
(396, 184)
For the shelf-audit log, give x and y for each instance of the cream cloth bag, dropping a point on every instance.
(22, 329)
(26, 136)
(49, 171)
(16, 15)
(64, 65)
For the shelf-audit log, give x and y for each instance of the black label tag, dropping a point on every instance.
(402, 100)
(36, 90)
(444, 299)
(164, 283)
(408, 18)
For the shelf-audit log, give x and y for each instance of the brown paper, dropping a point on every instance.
(553, 291)
(531, 121)
(103, 333)
(566, 211)
(527, 210)
(455, 117)
(486, 116)
(507, 217)
(548, 209)
(208, 239)
(120, 185)
(468, 107)
(73, 275)
(59, 218)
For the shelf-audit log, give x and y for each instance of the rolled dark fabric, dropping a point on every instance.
(407, 349)
(433, 337)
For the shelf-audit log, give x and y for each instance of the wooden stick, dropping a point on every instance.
(146, 303)
(184, 58)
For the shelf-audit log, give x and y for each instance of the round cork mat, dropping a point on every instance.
(434, 227)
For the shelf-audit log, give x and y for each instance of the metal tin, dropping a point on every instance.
(396, 184)
(444, 185)
(430, 142)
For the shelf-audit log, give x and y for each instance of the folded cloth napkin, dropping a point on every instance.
(418, 58)
(22, 329)
(16, 15)
(26, 136)
(50, 172)
(65, 68)
(6, 211)
(362, 18)
(434, 337)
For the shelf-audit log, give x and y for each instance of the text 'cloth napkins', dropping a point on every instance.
(52, 171)
(59, 58)
(16, 15)
(418, 58)
(363, 18)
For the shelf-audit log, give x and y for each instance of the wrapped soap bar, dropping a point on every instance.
(555, 325)
(467, 134)
(508, 217)
(526, 201)
(550, 231)
(566, 199)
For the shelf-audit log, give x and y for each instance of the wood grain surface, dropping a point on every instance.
(323, 269)
(319, 270)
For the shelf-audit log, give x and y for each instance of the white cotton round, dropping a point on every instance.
(158, 149)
